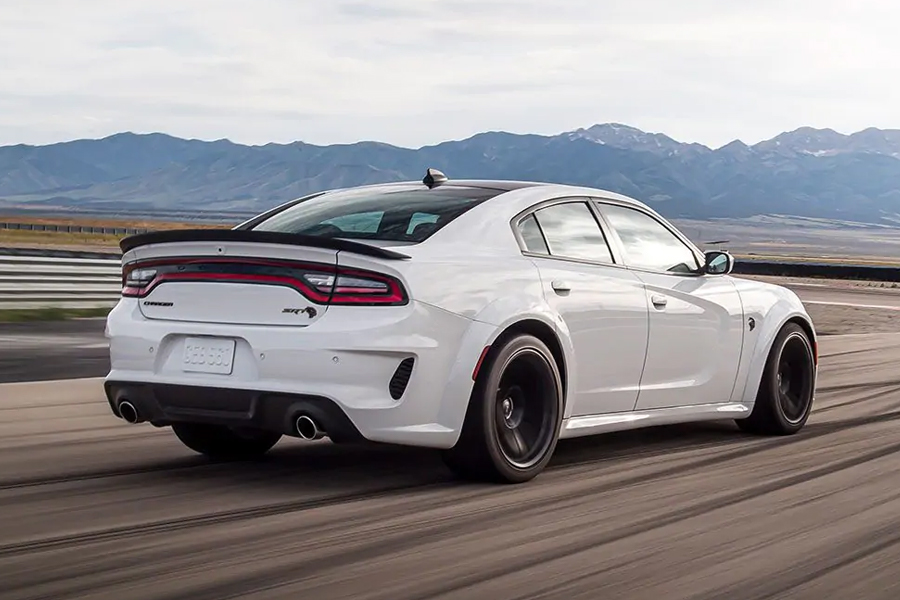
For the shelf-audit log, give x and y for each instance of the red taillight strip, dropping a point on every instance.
(357, 296)
(296, 284)
(165, 262)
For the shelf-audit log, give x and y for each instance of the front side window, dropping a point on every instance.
(386, 214)
(572, 231)
(649, 244)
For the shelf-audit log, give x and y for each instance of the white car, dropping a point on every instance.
(487, 319)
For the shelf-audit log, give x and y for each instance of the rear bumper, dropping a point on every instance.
(343, 369)
(165, 404)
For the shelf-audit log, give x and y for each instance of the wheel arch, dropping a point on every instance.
(761, 350)
(806, 324)
(542, 331)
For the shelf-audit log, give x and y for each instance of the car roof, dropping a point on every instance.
(514, 195)
(502, 186)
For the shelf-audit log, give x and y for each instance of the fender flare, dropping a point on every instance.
(481, 335)
(759, 354)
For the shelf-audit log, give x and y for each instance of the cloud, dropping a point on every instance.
(414, 72)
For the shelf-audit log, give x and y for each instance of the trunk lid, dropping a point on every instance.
(233, 276)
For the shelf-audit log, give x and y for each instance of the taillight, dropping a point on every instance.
(135, 279)
(323, 284)
(358, 287)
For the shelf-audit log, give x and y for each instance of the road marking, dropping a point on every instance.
(853, 304)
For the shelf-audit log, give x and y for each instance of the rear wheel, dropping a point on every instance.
(225, 443)
(512, 422)
(785, 396)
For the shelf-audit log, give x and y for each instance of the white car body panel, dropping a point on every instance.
(695, 341)
(625, 363)
(770, 306)
(605, 313)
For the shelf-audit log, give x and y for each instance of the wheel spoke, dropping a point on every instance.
(514, 442)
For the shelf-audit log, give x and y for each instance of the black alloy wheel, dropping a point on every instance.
(787, 389)
(514, 415)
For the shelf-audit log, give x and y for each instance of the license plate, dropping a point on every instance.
(208, 355)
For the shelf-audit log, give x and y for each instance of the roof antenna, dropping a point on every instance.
(434, 178)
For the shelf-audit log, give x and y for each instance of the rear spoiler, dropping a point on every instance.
(262, 237)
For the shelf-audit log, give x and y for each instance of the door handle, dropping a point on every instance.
(658, 301)
(561, 287)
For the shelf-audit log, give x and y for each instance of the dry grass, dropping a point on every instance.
(110, 222)
(81, 241)
(18, 237)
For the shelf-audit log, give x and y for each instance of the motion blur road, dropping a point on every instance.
(93, 508)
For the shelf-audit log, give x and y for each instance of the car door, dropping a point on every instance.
(602, 305)
(696, 320)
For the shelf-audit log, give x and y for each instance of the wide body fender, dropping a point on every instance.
(495, 319)
(771, 307)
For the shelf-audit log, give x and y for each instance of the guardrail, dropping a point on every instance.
(67, 279)
(71, 228)
(29, 281)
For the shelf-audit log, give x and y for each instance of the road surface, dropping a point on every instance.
(93, 508)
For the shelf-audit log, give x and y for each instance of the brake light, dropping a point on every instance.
(323, 284)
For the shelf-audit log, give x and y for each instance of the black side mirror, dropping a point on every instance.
(718, 263)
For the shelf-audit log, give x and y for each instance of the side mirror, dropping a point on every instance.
(718, 263)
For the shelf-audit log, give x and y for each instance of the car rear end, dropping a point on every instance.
(301, 323)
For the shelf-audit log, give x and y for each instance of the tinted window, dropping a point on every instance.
(532, 236)
(572, 231)
(648, 243)
(389, 214)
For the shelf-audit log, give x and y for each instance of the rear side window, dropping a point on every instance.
(387, 214)
(532, 236)
(572, 231)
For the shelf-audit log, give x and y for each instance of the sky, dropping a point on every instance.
(418, 72)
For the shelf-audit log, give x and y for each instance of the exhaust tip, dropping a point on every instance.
(128, 412)
(307, 428)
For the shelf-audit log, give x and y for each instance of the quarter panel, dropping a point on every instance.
(468, 286)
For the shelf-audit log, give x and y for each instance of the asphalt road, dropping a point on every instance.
(93, 508)
(53, 350)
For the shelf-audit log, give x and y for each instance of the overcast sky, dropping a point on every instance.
(417, 72)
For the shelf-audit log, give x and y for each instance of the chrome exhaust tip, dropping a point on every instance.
(128, 412)
(307, 428)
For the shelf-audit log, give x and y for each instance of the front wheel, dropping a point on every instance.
(787, 388)
(514, 414)
(224, 443)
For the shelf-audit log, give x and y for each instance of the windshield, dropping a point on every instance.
(386, 214)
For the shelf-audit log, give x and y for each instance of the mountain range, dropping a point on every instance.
(813, 173)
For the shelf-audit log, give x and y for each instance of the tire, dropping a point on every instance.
(517, 396)
(786, 391)
(223, 443)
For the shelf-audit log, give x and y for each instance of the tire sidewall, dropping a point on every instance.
(790, 331)
(486, 390)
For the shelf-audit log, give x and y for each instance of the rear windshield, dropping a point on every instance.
(388, 214)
